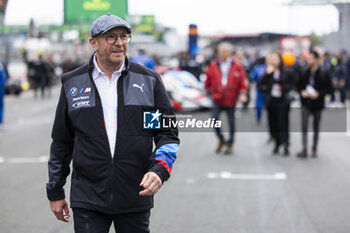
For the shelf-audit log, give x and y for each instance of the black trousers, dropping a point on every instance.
(230, 111)
(87, 221)
(278, 117)
(316, 114)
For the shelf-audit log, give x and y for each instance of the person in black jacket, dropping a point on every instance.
(277, 82)
(100, 126)
(313, 85)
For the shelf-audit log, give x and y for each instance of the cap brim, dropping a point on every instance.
(115, 26)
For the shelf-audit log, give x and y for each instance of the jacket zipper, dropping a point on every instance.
(111, 196)
(115, 148)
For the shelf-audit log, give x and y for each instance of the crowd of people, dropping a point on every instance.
(41, 72)
(277, 77)
(275, 82)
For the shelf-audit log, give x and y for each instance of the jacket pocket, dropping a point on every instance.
(91, 158)
(139, 89)
(87, 122)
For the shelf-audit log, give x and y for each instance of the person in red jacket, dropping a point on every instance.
(226, 83)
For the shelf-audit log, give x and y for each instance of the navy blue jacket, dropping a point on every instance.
(100, 182)
(322, 84)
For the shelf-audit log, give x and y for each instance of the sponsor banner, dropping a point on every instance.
(88, 10)
(142, 23)
(193, 48)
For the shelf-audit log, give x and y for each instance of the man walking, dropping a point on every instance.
(226, 83)
(3, 78)
(339, 79)
(313, 85)
(99, 125)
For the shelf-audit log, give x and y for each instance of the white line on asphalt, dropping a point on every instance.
(229, 175)
(40, 159)
(213, 175)
(190, 181)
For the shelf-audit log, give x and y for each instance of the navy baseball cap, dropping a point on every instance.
(106, 22)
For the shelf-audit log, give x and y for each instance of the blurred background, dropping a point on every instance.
(251, 191)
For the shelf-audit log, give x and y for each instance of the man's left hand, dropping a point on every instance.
(341, 82)
(315, 95)
(243, 98)
(152, 183)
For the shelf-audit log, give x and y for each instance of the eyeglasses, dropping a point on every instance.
(112, 38)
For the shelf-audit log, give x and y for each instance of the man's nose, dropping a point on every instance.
(118, 41)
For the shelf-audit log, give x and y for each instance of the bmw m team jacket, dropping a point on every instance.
(99, 181)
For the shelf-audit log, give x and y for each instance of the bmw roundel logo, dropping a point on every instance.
(74, 91)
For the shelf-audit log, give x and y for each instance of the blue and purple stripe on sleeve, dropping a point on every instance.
(166, 155)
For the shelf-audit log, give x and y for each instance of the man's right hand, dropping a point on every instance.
(270, 69)
(305, 94)
(60, 209)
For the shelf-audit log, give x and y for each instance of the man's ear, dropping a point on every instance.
(93, 43)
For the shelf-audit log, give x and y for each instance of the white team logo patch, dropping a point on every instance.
(81, 104)
(137, 86)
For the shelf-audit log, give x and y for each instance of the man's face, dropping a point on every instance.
(275, 60)
(223, 53)
(311, 60)
(110, 54)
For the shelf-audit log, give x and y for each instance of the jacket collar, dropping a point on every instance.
(232, 61)
(316, 72)
(91, 63)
